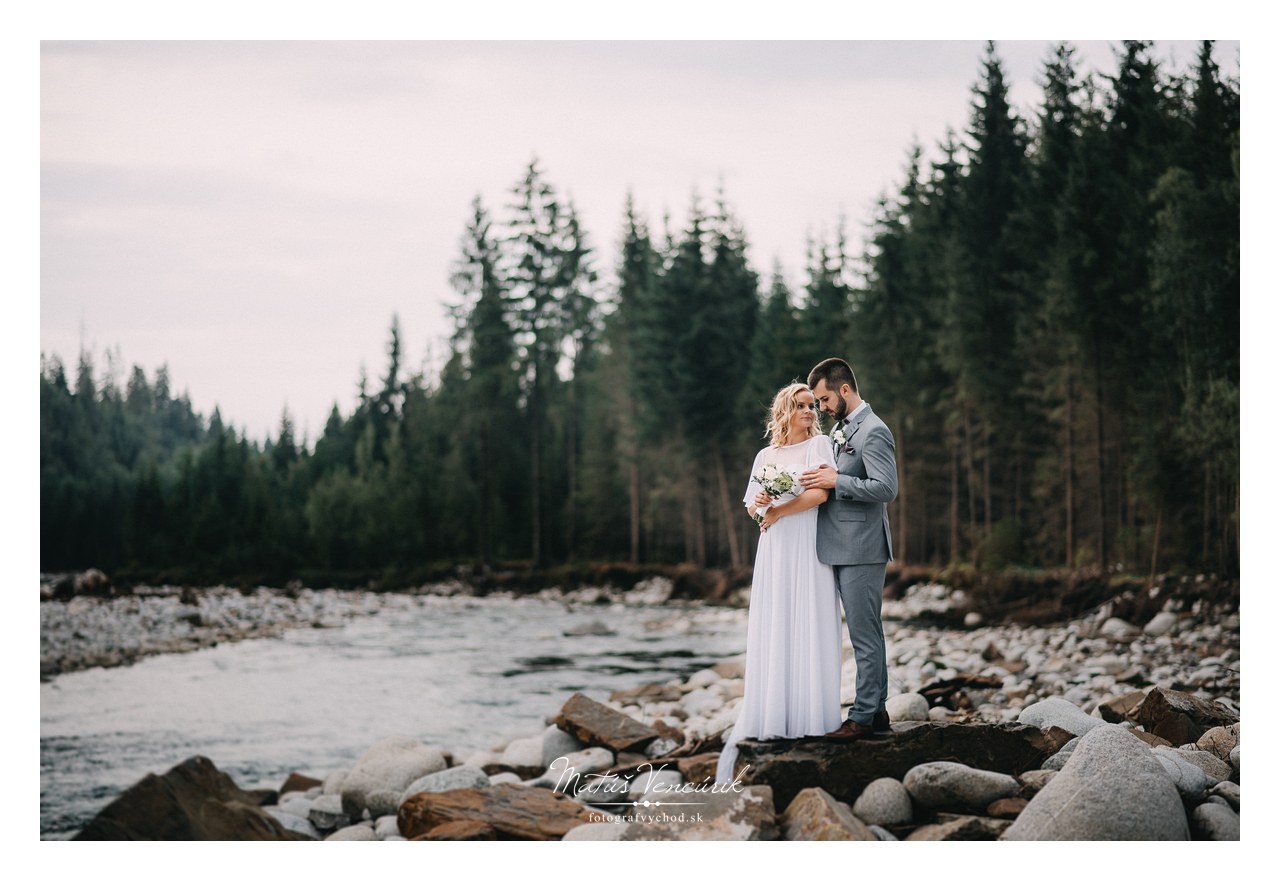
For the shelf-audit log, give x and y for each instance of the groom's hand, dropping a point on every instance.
(822, 477)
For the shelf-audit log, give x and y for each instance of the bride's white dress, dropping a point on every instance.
(792, 680)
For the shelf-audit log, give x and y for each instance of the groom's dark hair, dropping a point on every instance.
(835, 372)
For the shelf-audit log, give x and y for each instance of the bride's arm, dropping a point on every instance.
(810, 498)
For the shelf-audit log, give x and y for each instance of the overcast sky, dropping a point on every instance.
(253, 213)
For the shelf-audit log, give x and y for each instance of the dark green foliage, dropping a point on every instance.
(1046, 314)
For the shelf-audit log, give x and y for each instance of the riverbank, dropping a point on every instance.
(1014, 704)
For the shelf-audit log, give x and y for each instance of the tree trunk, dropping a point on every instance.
(634, 492)
(726, 511)
(900, 546)
(1069, 467)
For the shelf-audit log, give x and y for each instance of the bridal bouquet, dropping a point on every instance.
(775, 481)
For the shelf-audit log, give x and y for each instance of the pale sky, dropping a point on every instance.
(253, 213)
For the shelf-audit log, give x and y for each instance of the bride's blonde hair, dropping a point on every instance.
(784, 406)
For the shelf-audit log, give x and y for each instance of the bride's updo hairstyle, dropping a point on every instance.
(784, 406)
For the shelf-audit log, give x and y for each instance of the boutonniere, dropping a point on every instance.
(838, 436)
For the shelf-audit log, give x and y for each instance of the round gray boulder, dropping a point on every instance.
(556, 743)
(457, 777)
(1111, 789)
(1192, 782)
(382, 774)
(950, 783)
(1054, 712)
(884, 802)
(910, 707)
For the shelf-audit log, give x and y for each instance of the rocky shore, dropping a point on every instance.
(1101, 728)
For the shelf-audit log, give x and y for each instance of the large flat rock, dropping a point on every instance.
(514, 812)
(595, 724)
(845, 769)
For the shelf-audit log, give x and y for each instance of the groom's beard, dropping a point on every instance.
(841, 410)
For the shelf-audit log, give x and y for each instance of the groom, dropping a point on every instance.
(853, 532)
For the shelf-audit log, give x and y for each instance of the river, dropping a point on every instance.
(460, 673)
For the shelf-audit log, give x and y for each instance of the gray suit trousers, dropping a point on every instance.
(861, 589)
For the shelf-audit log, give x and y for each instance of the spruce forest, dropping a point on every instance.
(1045, 313)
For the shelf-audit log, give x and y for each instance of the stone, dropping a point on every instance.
(1058, 759)
(505, 777)
(569, 773)
(883, 834)
(1148, 738)
(523, 756)
(653, 693)
(1117, 629)
(701, 702)
(457, 777)
(379, 778)
(845, 769)
(1192, 783)
(589, 628)
(655, 785)
(1161, 624)
(1220, 740)
(299, 807)
(703, 678)
(1214, 767)
(606, 831)
(1230, 792)
(744, 815)
(192, 801)
(460, 830)
(384, 827)
(358, 832)
(294, 823)
(1181, 718)
(814, 815)
(1006, 808)
(1234, 758)
(1034, 781)
(327, 813)
(1111, 789)
(885, 802)
(936, 784)
(698, 769)
(911, 707)
(557, 743)
(299, 783)
(961, 828)
(1215, 822)
(1120, 707)
(515, 812)
(1058, 713)
(597, 725)
(333, 783)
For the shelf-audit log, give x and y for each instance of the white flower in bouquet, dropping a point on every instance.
(775, 481)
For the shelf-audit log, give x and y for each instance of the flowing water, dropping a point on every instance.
(462, 674)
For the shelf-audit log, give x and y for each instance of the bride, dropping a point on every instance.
(792, 680)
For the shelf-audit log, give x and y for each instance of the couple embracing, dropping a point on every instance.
(824, 542)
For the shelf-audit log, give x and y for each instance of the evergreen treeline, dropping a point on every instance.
(1047, 316)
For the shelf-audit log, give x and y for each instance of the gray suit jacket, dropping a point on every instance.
(853, 523)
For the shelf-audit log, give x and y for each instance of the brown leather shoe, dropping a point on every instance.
(881, 721)
(850, 730)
